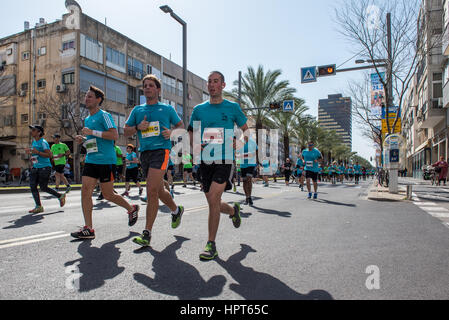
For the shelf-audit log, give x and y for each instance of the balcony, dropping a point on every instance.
(446, 95)
(434, 115)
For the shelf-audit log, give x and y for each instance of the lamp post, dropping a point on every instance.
(169, 10)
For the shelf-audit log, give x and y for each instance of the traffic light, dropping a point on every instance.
(275, 106)
(329, 70)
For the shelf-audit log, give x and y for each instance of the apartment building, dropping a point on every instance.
(425, 123)
(46, 70)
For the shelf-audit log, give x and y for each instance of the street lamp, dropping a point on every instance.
(167, 9)
(360, 61)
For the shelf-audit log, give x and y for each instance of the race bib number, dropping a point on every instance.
(153, 130)
(213, 135)
(309, 163)
(91, 146)
(34, 160)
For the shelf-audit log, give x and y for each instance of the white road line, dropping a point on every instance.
(440, 209)
(426, 203)
(47, 208)
(31, 237)
(439, 214)
(15, 244)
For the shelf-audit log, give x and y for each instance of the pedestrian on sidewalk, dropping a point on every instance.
(441, 167)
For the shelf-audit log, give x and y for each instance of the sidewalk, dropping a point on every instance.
(379, 193)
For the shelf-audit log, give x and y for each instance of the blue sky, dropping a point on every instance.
(224, 35)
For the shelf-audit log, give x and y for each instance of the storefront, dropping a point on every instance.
(420, 159)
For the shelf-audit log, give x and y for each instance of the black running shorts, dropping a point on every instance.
(154, 159)
(248, 172)
(218, 173)
(312, 175)
(102, 172)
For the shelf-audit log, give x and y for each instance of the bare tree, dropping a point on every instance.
(67, 113)
(363, 24)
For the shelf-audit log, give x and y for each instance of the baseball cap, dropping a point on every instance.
(39, 128)
(56, 135)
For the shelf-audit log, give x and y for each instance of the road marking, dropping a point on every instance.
(31, 237)
(15, 244)
(425, 203)
(435, 209)
(439, 214)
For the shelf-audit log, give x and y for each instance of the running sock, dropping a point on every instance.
(176, 211)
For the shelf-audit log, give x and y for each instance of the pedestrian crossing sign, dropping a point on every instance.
(289, 106)
(308, 74)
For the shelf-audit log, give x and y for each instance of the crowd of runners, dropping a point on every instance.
(153, 122)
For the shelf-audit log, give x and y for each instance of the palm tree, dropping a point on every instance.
(259, 89)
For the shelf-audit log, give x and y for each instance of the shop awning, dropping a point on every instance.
(425, 144)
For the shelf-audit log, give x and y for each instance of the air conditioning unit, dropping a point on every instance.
(61, 88)
(9, 52)
(22, 93)
(138, 76)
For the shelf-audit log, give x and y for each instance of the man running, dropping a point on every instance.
(118, 175)
(215, 117)
(152, 122)
(60, 152)
(287, 171)
(98, 136)
(357, 172)
(188, 169)
(311, 157)
(40, 173)
(299, 171)
(132, 170)
(248, 166)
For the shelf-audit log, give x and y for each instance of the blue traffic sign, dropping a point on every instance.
(308, 74)
(289, 106)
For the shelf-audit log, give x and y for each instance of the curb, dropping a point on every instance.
(383, 195)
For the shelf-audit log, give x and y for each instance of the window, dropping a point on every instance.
(91, 49)
(132, 101)
(68, 45)
(156, 72)
(25, 55)
(116, 91)
(41, 116)
(68, 78)
(179, 110)
(24, 118)
(169, 84)
(115, 59)
(41, 84)
(24, 86)
(135, 67)
(205, 96)
(180, 88)
(42, 51)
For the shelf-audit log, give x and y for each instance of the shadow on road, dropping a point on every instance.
(283, 214)
(254, 285)
(336, 203)
(98, 264)
(103, 205)
(177, 278)
(29, 220)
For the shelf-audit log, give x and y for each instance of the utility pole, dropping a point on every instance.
(393, 172)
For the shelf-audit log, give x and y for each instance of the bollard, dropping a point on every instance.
(409, 192)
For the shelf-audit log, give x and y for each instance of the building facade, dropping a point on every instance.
(335, 113)
(45, 72)
(425, 116)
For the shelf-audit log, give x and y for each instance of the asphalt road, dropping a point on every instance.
(288, 248)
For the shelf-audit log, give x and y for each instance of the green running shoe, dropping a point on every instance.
(143, 240)
(176, 218)
(37, 210)
(210, 252)
(236, 218)
(67, 190)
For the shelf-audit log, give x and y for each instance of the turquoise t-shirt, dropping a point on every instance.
(38, 161)
(249, 148)
(99, 150)
(266, 166)
(357, 169)
(350, 170)
(160, 116)
(217, 123)
(300, 165)
(130, 157)
(310, 157)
